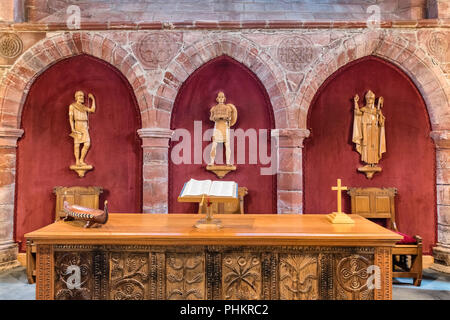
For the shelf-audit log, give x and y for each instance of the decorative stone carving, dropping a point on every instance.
(10, 45)
(438, 45)
(295, 53)
(156, 49)
(185, 276)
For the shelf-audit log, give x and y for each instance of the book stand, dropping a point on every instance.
(208, 222)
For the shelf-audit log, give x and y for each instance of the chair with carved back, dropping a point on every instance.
(379, 203)
(236, 207)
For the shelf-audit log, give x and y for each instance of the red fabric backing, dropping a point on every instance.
(408, 164)
(194, 100)
(45, 151)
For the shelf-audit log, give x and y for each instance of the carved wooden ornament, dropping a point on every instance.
(79, 125)
(224, 116)
(339, 216)
(369, 133)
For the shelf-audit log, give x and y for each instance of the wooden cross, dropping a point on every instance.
(339, 188)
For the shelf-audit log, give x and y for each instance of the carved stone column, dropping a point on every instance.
(155, 144)
(8, 248)
(289, 144)
(441, 252)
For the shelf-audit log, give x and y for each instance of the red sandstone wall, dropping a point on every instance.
(174, 10)
(408, 164)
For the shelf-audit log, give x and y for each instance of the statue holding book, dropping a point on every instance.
(224, 116)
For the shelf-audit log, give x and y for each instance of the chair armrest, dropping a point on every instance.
(418, 239)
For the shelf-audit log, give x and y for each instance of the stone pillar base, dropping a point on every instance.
(441, 259)
(8, 256)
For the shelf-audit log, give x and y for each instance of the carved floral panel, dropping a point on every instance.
(241, 276)
(185, 276)
(129, 276)
(73, 276)
(299, 277)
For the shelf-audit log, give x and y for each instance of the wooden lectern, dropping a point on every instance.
(204, 200)
(205, 197)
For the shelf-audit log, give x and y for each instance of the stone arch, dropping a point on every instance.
(241, 50)
(405, 54)
(17, 82)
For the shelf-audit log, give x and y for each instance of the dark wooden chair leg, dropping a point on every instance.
(416, 264)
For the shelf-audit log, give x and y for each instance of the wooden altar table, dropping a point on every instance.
(162, 256)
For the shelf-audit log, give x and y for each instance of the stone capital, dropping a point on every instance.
(290, 138)
(9, 136)
(155, 137)
(441, 138)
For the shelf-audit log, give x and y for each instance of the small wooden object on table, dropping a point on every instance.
(91, 216)
(208, 222)
(339, 217)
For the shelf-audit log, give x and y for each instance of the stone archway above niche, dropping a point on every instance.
(403, 53)
(240, 49)
(16, 84)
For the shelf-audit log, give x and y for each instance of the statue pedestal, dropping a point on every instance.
(221, 170)
(81, 169)
(369, 170)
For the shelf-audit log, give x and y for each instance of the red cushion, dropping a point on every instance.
(406, 239)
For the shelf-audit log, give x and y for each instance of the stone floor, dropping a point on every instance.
(435, 286)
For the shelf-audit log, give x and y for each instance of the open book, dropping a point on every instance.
(194, 188)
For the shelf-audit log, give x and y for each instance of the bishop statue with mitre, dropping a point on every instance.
(369, 133)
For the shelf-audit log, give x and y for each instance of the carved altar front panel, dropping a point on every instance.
(185, 276)
(241, 276)
(73, 276)
(353, 277)
(129, 275)
(299, 277)
(211, 272)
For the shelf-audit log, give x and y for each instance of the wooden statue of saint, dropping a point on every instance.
(369, 133)
(224, 116)
(79, 125)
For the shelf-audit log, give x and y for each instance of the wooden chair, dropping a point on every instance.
(378, 203)
(82, 196)
(230, 207)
